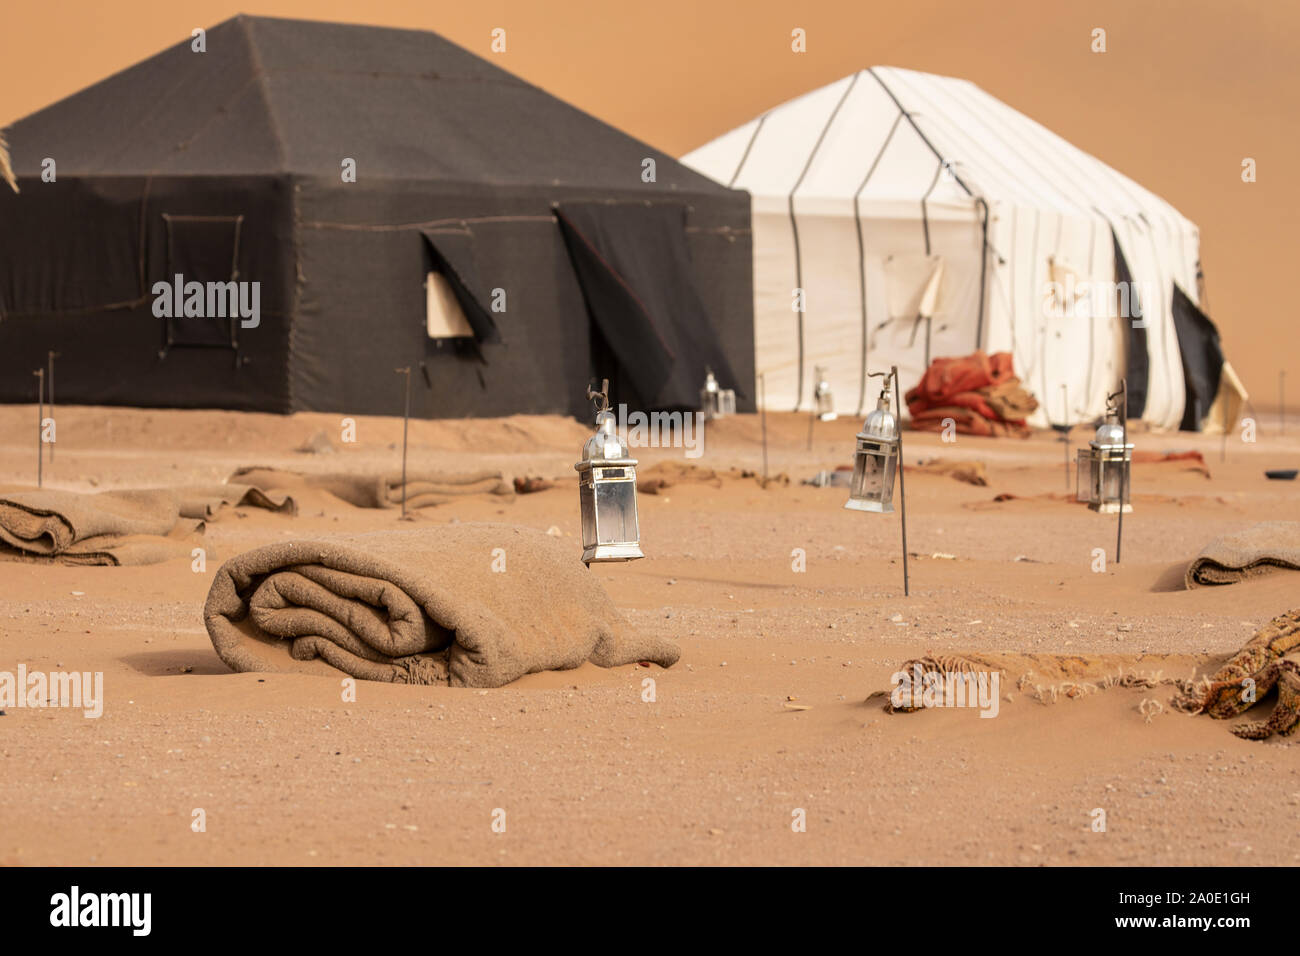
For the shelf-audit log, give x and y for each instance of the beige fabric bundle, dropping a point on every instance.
(205, 501)
(108, 528)
(377, 491)
(473, 605)
(1260, 549)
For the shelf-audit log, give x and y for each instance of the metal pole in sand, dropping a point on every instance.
(40, 424)
(406, 417)
(51, 356)
(762, 414)
(812, 417)
(902, 492)
(1065, 432)
(1223, 445)
(1124, 472)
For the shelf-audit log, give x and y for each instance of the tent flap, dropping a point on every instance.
(633, 265)
(1198, 341)
(453, 257)
(1139, 360)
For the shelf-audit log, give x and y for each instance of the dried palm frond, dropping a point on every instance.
(6, 168)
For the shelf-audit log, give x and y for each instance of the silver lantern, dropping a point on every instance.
(823, 400)
(875, 463)
(1103, 474)
(607, 491)
(715, 401)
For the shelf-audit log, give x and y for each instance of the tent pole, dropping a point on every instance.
(52, 355)
(762, 414)
(1281, 402)
(1065, 432)
(902, 491)
(1223, 445)
(1124, 474)
(406, 418)
(40, 424)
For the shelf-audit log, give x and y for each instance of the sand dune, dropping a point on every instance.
(713, 769)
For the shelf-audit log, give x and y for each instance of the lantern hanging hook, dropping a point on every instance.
(889, 380)
(600, 398)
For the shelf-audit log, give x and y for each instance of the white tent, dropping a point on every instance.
(899, 216)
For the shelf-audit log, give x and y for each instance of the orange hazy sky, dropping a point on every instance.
(1184, 92)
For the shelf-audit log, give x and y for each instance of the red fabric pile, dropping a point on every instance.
(979, 392)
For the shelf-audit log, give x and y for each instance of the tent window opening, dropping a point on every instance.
(454, 300)
(444, 318)
(204, 249)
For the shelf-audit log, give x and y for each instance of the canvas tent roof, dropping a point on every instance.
(925, 159)
(229, 163)
(278, 95)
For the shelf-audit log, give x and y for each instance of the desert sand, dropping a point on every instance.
(712, 771)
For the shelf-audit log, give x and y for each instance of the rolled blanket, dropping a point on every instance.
(108, 528)
(423, 490)
(1260, 549)
(473, 605)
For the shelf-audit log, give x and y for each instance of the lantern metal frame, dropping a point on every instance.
(606, 484)
(875, 460)
(1103, 475)
(715, 401)
(823, 398)
(881, 440)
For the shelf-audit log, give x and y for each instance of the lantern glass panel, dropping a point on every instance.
(616, 504)
(1111, 474)
(587, 494)
(873, 475)
(1083, 476)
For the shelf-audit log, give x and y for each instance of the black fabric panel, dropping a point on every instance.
(1198, 342)
(362, 309)
(453, 256)
(201, 249)
(1139, 360)
(70, 245)
(633, 263)
(112, 351)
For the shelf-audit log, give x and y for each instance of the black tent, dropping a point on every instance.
(572, 250)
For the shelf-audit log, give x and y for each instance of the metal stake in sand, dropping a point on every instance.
(902, 492)
(1065, 432)
(762, 414)
(406, 418)
(1124, 474)
(51, 356)
(1223, 443)
(40, 425)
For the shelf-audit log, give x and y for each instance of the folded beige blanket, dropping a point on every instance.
(108, 528)
(472, 605)
(1260, 549)
(205, 501)
(378, 491)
